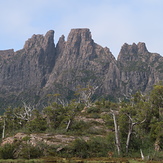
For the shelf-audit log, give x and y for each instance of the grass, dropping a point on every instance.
(79, 160)
(97, 160)
(22, 161)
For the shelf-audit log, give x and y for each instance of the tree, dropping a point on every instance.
(113, 109)
(9, 122)
(135, 113)
(156, 122)
(24, 113)
(4, 127)
(37, 122)
(54, 115)
(85, 94)
(156, 99)
(126, 116)
(117, 139)
(71, 111)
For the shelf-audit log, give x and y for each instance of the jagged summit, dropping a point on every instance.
(130, 52)
(142, 48)
(42, 68)
(134, 48)
(6, 53)
(40, 41)
(82, 34)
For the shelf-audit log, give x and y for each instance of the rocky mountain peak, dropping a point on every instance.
(61, 39)
(61, 44)
(132, 52)
(4, 54)
(40, 41)
(49, 37)
(79, 44)
(79, 35)
(142, 48)
(42, 68)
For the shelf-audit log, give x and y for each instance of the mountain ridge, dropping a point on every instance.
(42, 68)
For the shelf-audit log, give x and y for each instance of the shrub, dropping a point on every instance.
(93, 110)
(37, 125)
(78, 148)
(7, 151)
(79, 127)
(29, 152)
(96, 131)
(94, 115)
(98, 147)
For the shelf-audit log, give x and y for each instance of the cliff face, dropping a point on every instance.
(140, 69)
(41, 68)
(25, 72)
(81, 62)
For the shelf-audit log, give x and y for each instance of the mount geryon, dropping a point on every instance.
(42, 68)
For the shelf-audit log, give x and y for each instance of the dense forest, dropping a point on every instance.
(132, 127)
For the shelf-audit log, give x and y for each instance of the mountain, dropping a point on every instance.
(42, 68)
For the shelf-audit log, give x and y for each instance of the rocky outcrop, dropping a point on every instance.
(81, 61)
(140, 69)
(41, 68)
(34, 139)
(26, 71)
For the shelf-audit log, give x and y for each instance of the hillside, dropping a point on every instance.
(84, 129)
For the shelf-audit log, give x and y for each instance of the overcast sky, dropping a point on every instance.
(112, 22)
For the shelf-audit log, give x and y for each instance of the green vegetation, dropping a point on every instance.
(92, 130)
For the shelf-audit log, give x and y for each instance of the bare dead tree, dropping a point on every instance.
(117, 139)
(71, 114)
(85, 94)
(142, 155)
(4, 127)
(64, 103)
(70, 120)
(25, 113)
(131, 126)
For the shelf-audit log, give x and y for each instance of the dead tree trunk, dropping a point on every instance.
(129, 136)
(131, 126)
(4, 127)
(68, 125)
(142, 156)
(117, 140)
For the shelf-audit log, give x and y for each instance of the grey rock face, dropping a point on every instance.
(26, 71)
(140, 69)
(41, 68)
(81, 62)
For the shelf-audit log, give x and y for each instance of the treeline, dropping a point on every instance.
(134, 127)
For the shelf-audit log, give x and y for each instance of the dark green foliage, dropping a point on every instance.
(99, 146)
(55, 114)
(79, 127)
(156, 130)
(36, 125)
(93, 110)
(95, 147)
(78, 148)
(141, 115)
(7, 151)
(94, 115)
(29, 152)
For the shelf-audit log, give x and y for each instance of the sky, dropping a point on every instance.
(111, 22)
